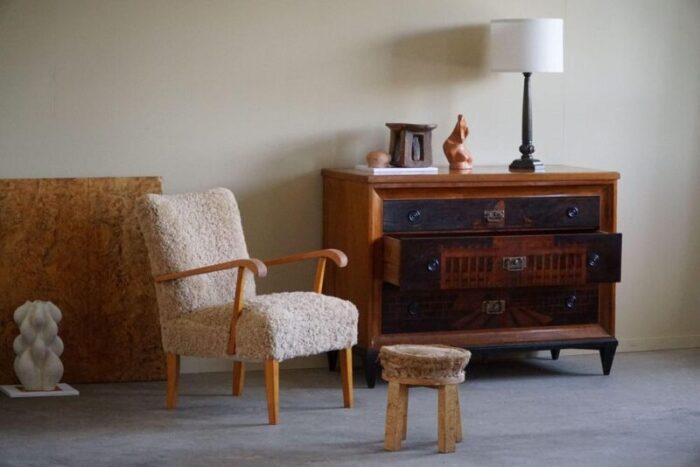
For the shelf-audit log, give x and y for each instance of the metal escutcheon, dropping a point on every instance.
(514, 263)
(493, 307)
(495, 216)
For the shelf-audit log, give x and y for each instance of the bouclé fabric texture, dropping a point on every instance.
(193, 230)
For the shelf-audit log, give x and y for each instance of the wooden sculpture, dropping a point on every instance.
(411, 144)
(459, 156)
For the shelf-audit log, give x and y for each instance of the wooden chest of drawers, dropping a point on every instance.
(487, 260)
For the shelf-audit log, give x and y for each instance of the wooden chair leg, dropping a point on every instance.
(173, 374)
(446, 429)
(458, 415)
(272, 385)
(346, 376)
(393, 428)
(238, 378)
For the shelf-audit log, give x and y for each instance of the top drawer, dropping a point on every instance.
(492, 214)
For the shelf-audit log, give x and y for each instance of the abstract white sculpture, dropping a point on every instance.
(38, 346)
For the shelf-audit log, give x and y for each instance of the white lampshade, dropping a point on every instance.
(527, 45)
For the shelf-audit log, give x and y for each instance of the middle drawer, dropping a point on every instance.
(431, 263)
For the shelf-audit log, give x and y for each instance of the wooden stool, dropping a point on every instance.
(434, 366)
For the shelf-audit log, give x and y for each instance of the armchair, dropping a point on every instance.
(206, 295)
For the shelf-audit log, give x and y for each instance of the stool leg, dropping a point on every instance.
(403, 397)
(458, 416)
(393, 431)
(446, 416)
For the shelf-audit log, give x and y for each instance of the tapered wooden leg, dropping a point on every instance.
(393, 430)
(446, 425)
(403, 399)
(272, 385)
(238, 378)
(555, 353)
(173, 375)
(346, 376)
(458, 415)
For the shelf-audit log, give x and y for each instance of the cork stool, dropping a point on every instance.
(435, 366)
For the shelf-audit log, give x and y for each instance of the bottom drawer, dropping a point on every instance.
(443, 310)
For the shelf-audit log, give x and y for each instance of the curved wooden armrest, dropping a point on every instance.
(255, 266)
(337, 256)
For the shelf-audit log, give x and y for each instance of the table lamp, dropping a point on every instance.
(527, 46)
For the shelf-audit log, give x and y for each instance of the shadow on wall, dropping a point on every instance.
(282, 205)
(282, 209)
(417, 57)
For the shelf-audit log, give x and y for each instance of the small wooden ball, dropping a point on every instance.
(377, 159)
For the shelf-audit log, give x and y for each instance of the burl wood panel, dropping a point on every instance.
(76, 243)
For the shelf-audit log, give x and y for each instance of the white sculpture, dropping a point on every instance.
(38, 346)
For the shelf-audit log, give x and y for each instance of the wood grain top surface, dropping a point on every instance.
(484, 173)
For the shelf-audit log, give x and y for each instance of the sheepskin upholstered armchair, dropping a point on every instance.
(207, 301)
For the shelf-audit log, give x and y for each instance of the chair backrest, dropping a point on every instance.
(188, 231)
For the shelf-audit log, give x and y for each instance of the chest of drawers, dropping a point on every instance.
(488, 260)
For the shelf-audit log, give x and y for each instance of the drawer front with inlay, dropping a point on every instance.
(492, 214)
(434, 311)
(470, 262)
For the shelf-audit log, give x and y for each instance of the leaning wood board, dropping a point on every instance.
(76, 243)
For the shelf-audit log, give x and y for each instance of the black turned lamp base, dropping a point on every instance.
(526, 165)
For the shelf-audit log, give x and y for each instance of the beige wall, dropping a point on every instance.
(258, 96)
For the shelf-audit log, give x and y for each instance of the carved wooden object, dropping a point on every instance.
(411, 144)
(76, 243)
(459, 157)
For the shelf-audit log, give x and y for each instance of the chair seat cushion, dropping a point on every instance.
(426, 364)
(275, 326)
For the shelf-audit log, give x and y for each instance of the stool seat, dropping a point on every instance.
(436, 366)
(423, 365)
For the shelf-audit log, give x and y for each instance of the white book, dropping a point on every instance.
(397, 170)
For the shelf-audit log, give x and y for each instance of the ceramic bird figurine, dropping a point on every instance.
(459, 156)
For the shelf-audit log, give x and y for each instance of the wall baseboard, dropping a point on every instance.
(634, 344)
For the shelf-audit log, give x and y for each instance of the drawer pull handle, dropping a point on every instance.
(413, 308)
(570, 302)
(572, 212)
(414, 216)
(495, 216)
(514, 263)
(434, 265)
(493, 307)
(593, 259)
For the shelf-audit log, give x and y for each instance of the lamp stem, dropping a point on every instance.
(527, 148)
(526, 161)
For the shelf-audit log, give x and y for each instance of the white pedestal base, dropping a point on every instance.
(16, 391)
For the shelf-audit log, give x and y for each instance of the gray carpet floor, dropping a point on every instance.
(517, 412)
